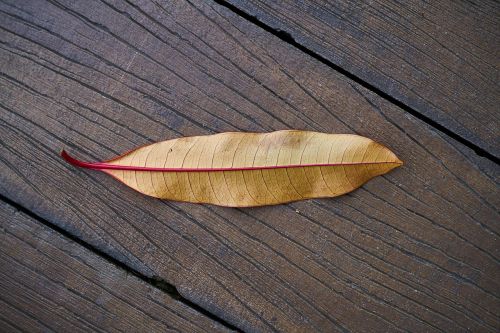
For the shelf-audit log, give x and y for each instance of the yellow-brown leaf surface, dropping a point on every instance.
(251, 169)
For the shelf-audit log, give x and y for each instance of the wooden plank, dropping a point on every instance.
(440, 58)
(50, 283)
(414, 250)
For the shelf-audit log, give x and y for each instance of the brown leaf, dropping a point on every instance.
(250, 169)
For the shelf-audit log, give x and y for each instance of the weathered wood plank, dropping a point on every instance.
(414, 250)
(50, 283)
(438, 57)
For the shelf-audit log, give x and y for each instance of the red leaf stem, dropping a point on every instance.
(108, 166)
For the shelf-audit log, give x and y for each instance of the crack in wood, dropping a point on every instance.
(288, 38)
(155, 281)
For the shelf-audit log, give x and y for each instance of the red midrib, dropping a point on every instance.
(107, 166)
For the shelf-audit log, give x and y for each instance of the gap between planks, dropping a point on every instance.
(154, 281)
(288, 38)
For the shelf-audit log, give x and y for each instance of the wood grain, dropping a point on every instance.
(440, 58)
(50, 283)
(415, 250)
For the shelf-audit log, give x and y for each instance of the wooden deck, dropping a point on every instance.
(415, 250)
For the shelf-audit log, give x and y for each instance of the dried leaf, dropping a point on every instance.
(250, 169)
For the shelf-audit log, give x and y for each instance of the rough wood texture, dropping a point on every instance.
(51, 284)
(438, 57)
(415, 250)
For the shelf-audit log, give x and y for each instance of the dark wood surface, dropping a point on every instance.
(49, 283)
(414, 250)
(440, 58)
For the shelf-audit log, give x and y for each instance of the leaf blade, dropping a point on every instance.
(250, 169)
